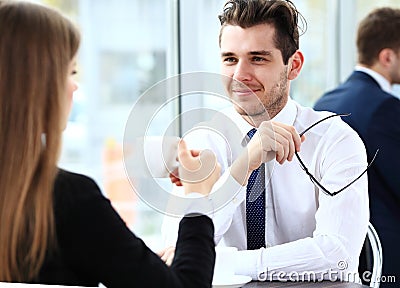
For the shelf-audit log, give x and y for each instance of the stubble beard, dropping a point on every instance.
(269, 105)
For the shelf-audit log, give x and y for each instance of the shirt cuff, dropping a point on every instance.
(227, 192)
(248, 262)
(199, 205)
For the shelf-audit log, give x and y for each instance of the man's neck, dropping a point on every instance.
(377, 69)
(256, 120)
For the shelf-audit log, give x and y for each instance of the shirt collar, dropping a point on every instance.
(382, 81)
(288, 114)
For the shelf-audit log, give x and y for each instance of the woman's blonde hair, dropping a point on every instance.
(37, 45)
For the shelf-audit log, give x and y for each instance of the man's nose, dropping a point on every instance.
(242, 71)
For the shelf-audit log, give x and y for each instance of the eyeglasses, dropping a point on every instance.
(313, 179)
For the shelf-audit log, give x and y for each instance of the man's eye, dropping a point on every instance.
(258, 59)
(74, 72)
(230, 60)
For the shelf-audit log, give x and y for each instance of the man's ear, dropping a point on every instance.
(386, 57)
(295, 64)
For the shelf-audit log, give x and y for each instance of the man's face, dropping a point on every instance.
(249, 56)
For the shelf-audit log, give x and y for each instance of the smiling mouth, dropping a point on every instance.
(244, 93)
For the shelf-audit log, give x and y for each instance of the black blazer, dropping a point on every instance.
(95, 245)
(375, 115)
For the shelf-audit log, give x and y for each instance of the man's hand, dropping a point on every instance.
(273, 140)
(174, 175)
(167, 255)
(197, 173)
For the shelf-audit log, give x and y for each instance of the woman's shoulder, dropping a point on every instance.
(65, 177)
(70, 186)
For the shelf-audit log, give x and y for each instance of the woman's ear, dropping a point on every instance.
(295, 64)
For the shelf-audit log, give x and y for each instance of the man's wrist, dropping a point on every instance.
(200, 205)
(196, 188)
(238, 173)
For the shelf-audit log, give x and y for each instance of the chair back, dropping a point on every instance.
(371, 259)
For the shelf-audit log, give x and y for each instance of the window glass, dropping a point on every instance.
(315, 45)
(364, 7)
(123, 52)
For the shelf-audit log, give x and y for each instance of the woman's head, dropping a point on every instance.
(37, 46)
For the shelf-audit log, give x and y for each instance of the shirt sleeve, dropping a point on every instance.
(204, 138)
(226, 196)
(332, 251)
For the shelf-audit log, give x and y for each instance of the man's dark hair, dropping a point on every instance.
(377, 31)
(282, 14)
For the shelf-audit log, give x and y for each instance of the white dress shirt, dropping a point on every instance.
(307, 231)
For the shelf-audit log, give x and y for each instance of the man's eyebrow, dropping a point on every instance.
(261, 52)
(227, 54)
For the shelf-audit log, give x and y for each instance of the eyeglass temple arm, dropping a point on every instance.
(302, 163)
(323, 119)
(312, 177)
(369, 165)
(315, 181)
(337, 192)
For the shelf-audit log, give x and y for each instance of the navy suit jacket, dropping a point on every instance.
(375, 115)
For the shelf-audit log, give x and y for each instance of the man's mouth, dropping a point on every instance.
(244, 92)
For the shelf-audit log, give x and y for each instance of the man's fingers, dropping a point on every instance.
(293, 134)
(183, 153)
(285, 139)
(167, 255)
(278, 138)
(279, 153)
(175, 180)
(195, 153)
(174, 177)
(199, 168)
(296, 137)
(195, 165)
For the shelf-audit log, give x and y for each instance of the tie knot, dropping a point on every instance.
(251, 132)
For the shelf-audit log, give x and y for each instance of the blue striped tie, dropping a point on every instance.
(255, 206)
